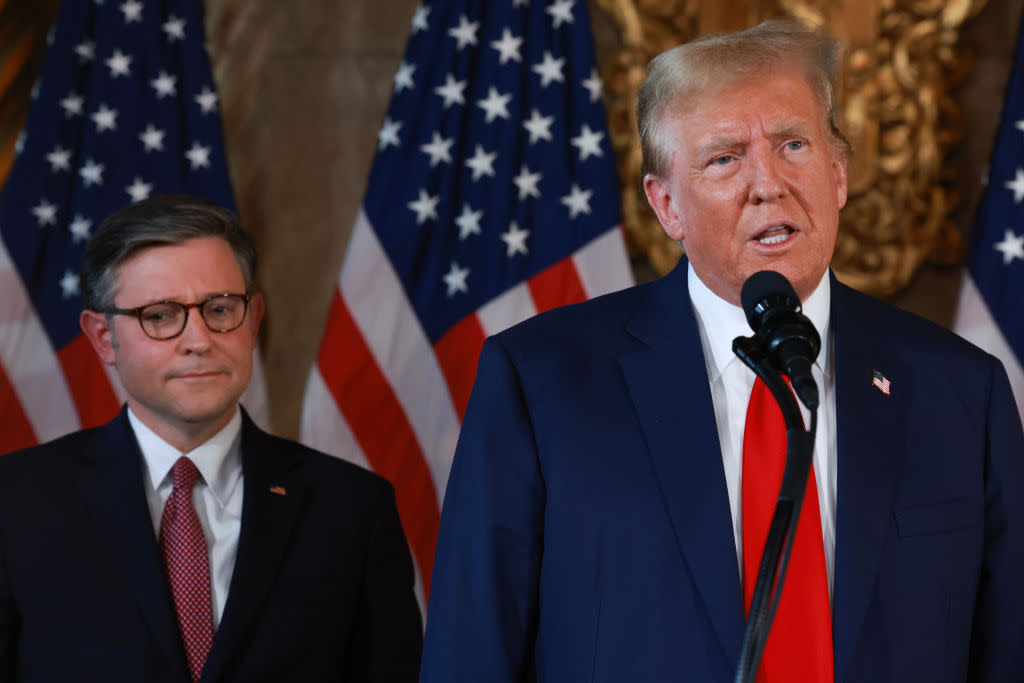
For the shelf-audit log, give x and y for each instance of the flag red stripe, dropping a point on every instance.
(457, 353)
(90, 388)
(376, 418)
(556, 285)
(17, 431)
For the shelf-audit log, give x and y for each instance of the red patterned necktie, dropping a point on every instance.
(799, 648)
(188, 569)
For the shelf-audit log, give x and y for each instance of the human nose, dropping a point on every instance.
(196, 335)
(766, 183)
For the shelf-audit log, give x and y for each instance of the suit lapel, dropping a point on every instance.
(271, 509)
(110, 481)
(668, 383)
(872, 442)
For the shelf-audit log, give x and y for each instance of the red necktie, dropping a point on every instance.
(799, 648)
(188, 569)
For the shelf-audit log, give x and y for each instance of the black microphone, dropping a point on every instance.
(787, 335)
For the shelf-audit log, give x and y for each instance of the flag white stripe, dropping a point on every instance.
(602, 264)
(388, 323)
(505, 310)
(29, 360)
(323, 427)
(974, 322)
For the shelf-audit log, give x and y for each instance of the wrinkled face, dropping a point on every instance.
(752, 183)
(189, 384)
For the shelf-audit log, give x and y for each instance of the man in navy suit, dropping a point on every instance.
(591, 529)
(277, 563)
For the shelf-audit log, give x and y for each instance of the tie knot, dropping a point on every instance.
(184, 473)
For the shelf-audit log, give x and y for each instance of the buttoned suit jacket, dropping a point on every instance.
(586, 532)
(322, 588)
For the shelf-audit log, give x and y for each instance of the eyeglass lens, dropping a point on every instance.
(168, 319)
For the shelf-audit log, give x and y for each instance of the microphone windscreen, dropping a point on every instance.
(765, 286)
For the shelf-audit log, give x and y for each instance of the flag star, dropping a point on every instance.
(508, 47)
(1011, 247)
(1017, 185)
(578, 201)
(527, 183)
(80, 228)
(152, 138)
(425, 207)
(481, 163)
(69, 285)
(465, 32)
(86, 51)
(594, 85)
(588, 142)
(174, 28)
(92, 173)
(561, 12)
(452, 91)
(105, 119)
(45, 212)
(36, 87)
(49, 35)
(468, 222)
(207, 100)
(139, 190)
(119, 64)
(388, 134)
(550, 70)
(456, 279)
(521, 3)
(419, 20)
(72, 105)
(539, 127)
(60, 159)
(165, 84)
(198, 156)
(132, 11)
(439, 149)
(403, 77)
(1020, 125)
(495, 104)
(19, 142)
(515, 240)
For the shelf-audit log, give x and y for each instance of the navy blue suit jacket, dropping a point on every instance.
(586, 532)
(322, 588)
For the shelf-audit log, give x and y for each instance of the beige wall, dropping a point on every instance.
(304, 88)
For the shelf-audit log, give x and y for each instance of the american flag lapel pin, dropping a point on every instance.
(881, 382)
(279, 490)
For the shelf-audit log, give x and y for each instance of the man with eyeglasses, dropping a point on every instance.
(179, 540)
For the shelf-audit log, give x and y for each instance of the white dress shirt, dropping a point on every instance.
(217, 495)
(731, 383)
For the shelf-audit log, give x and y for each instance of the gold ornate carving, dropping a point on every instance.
(899, 64)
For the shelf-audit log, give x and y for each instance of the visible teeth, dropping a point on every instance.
(773, 239)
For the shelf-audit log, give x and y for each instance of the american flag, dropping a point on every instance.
(492, 197)
(881, 381)
(992, 291)
(125, 107)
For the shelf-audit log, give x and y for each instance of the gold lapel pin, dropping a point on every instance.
(279, 490)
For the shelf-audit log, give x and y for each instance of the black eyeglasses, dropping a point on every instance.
(167, 319)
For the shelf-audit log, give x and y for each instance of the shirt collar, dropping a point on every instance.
(218, 459)
(722, 321)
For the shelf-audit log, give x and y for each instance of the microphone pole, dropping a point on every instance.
(761, 356)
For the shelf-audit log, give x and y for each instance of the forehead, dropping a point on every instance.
(773, 101)
(196, 267)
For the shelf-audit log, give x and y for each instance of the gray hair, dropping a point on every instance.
(158, 221)
(686, 70)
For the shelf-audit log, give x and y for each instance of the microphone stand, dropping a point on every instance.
(782, 530)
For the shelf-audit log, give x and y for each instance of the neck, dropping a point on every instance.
(183, 435)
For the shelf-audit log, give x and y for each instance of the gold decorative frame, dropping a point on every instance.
(899, 64)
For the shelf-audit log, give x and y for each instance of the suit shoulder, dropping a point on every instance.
(46, 456)
(327, 470)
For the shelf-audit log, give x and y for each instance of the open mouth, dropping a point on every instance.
(774, 235)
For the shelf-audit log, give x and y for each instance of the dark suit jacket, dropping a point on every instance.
(586, 532)
(322, 588)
